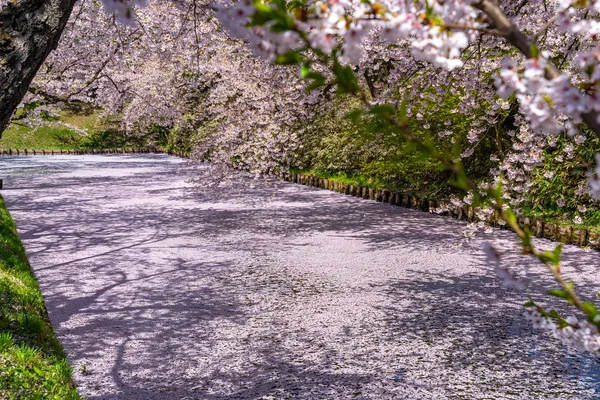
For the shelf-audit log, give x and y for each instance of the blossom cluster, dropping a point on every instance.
(450, 35)
(329, 25)
(175, 68)
(579, 335)
(508, 278)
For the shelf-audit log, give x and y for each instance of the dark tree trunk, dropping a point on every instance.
(29, 31)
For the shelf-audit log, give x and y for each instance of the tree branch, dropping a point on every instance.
(518, 39)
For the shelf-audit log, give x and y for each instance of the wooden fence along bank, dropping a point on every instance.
(539, 228)
(128, 150)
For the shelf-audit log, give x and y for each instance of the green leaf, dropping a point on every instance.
(526, 241)
(262, 15)
(292, 57)
(529, 304)
(559, 293)
(510, 216)
(553, 257)
(282, 24)
(304, 70)
(562, 323)
(382, 111)
(571, 285)
(280, 4)
(295, 4)
(318, 80)
(554, 314)
(547, 257)
(557, 253)
(428, 10)
(535, 51)
(590, 310)
(347, 82)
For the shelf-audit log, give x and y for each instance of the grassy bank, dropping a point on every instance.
(72, 130)
(65, 133)
(33, 364)
(47, 137)
(343, 177)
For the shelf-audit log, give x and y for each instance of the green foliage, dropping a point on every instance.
(292, 57)
(181, 137)
(32, 362)
(103, 139)
(80, 127)
(77, 127)
(346, 80)
(19, 136)
(275, 14)
(343, 177)
(344, 138)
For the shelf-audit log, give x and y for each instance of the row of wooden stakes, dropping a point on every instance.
(538, 227)
(128, 150)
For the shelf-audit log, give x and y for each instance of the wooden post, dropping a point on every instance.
(565, 234)
(538, 227)
(385, 196)
(414, 202)
(579, 237)
(392, 200)
(432, 206)
(594, 239)
(548, 231)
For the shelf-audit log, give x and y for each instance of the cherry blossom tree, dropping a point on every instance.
(543, 57)
(174, 67)
(526, 71)
(29, 31)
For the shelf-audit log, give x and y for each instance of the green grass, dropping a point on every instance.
(431, 191)
(343, 177)
(89, 131)
(33, 364)
(46, 137)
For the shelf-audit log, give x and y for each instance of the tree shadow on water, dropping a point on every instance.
(149, 283)
(471, 332)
